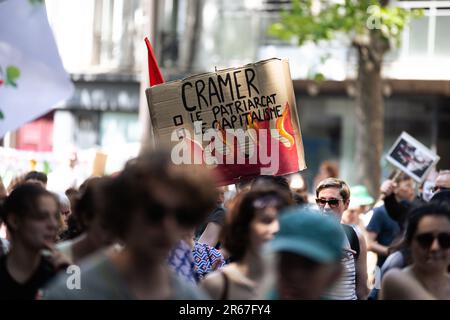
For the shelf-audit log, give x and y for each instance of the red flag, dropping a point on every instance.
(153, 70)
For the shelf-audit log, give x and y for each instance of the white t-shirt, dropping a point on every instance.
(367, 217)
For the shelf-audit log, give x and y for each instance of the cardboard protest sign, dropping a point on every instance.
(412, 157)
(98, 168)
(241, 121)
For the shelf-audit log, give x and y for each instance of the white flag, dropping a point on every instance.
(32, 77)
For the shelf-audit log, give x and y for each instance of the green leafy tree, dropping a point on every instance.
(373, 28)
(8, 78)
(36, 2)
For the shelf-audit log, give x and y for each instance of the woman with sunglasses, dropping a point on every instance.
(251, 222)
(428, 238)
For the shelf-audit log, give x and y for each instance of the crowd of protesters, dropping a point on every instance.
(157, 230)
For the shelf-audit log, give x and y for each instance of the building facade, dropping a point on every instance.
(101, 44)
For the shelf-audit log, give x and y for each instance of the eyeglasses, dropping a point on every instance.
(425, 240)
(333, 203)
(157, 212)
(438, 188)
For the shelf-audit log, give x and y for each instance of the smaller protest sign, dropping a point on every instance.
(412, 157)
(99, 166)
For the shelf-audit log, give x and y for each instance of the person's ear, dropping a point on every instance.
(12, 222)
(346, 204)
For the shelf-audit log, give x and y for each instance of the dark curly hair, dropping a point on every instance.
(36, 175)
(235, 235)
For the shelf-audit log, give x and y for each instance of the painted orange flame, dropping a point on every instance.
(280, 125)
(252, 124)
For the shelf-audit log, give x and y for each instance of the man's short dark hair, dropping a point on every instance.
(271, 181)
(344, 190)
(35, 175)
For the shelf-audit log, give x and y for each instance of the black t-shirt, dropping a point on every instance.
(217, 216)
(10, 289)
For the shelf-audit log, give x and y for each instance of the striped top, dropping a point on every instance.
(345, 286)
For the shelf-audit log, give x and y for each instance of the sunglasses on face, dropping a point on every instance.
(438, 188)
(425, 240)
(333, 203)
(156, 212)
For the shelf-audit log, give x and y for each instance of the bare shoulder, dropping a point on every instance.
(213, 284)
(402, 285)
(392, 285)
(395, 275)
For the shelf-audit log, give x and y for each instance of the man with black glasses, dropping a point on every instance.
(441, 190)
(333, 198)
(442, 182)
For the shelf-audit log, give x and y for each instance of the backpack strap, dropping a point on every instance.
(352, 238)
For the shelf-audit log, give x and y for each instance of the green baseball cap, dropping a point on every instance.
(360, 196)
(309, 233)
